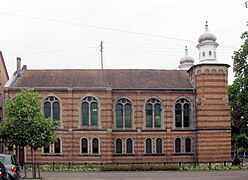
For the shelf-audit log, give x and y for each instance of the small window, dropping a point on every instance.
(177, 145)
(129, 146)
(148, 146)
(84, 145)
(210, 53)
(47, 148)
(159, 146)
(95, 145)
(187, 145)
(203, 54)
(118, 146)
(57, 146)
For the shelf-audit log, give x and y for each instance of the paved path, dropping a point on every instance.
(157, 175)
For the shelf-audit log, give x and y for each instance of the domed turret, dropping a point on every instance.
(207, 36)
(186, 61)
(207, 47)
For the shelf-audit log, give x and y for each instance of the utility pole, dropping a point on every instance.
(101, 49)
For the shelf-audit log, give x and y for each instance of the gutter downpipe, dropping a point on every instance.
(195, 132)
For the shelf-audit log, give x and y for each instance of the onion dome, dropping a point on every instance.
(186, 61)
(207, 36)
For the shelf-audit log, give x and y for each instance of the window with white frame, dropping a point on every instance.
(84, 145)
(54, 148)
(188, 145)
(52, 108)
(129, 146)
(183, 145)
(118, 146)
(177, 145)
(158, 148)
(123, 146)
(123, 111)
(182, 113)
(153, 111)
(90, 146)
(89, 111)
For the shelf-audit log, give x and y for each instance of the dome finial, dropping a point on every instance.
(186, 50)
(206, 27)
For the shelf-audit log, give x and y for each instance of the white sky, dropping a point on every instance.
(136, 34)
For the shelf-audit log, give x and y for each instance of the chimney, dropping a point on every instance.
(18, 66)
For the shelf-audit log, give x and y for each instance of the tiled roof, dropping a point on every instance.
(107, 78)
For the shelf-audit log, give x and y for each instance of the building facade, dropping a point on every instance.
(4, 77)
(135, 116)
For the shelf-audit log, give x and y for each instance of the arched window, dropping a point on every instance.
(129, 146)
(95, 146)
(203, 54)
(159, 146)
(84, 145)
(118, 146)
(187, 145)
(177, 145)
(153, 113)
(148, 146)
(210, 53)
(46, 147)
(57, 146)
(123, 111)
(89, 111)
(52, 108)
(182, 113)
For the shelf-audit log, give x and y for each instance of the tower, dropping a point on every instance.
(213, 122)
(186, 61)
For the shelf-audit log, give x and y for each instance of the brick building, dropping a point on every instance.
(141, 115)
(4, 77)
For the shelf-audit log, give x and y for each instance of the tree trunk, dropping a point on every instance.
(33, 165)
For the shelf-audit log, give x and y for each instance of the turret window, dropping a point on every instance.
(210, 53)
(203, 54)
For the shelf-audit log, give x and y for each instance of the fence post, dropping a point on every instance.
(39, 170)
(25, 171)
(180, 164)
(224, 163)
(53, 165)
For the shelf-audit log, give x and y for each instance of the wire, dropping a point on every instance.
(49, 51)
(97, 27)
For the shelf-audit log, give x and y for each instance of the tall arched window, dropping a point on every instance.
(123, 113)
(159, 146)
(118, 146)
(187, 145)
(84, 146)
(129, 146)
(148, 146)
(182, 113)
(95, 146)
(153, 113)
(177, 145)
(57, 146)
(89, 111)
(52, 108)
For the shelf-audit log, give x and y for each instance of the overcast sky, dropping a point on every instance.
(136, 34)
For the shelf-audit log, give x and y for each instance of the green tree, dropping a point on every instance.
(24, 125)
(238, 97)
